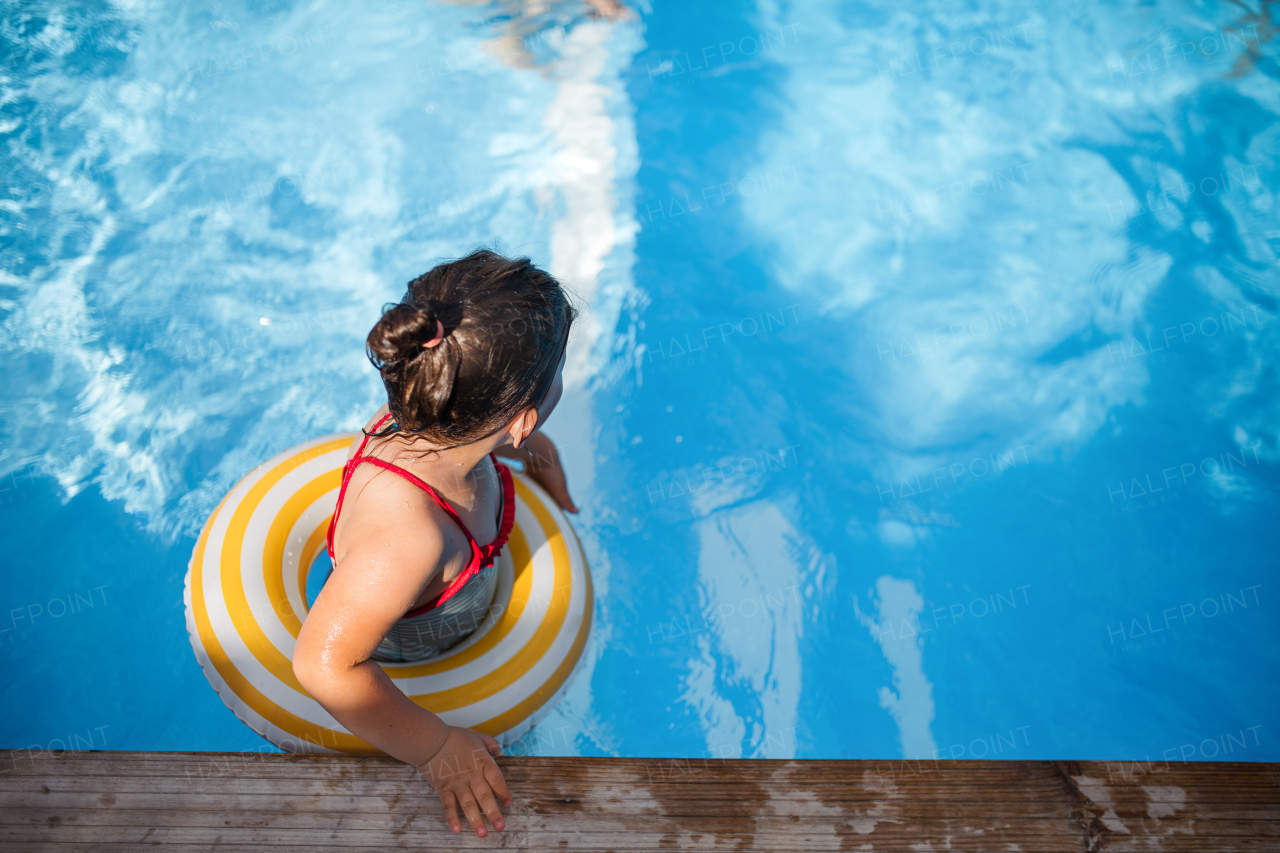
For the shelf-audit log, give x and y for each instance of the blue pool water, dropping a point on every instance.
(927, 404)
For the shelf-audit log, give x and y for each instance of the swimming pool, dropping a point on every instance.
(927, 405)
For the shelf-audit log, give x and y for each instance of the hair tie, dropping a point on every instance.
(438, 338)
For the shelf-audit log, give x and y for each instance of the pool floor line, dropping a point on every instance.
(270, 801)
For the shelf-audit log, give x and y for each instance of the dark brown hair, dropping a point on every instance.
(506, 324)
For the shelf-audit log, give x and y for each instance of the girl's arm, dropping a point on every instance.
(542, 462)
(374, 584)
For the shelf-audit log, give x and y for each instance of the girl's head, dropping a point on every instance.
(505, 325)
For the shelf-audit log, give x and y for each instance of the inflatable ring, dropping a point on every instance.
(245, 597)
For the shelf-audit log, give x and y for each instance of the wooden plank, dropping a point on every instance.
(679, 841)
(1189, 844)
(546, 838)
(697, 790)
(588, 802)
(84, 764)
(1034, 774)
(739, 767)
(900, 774)
(522, 776)
(552, 789)
(909, 809)
(428, 820)
(635, 839)
(595, 802)
(266, 801)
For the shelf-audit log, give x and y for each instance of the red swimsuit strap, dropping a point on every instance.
(480, 557)
(508, 507)
(348, 470)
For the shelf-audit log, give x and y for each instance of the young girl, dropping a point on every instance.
(471, 359)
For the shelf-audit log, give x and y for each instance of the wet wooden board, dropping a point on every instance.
(123, 801)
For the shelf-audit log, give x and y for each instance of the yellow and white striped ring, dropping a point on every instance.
(245, 598)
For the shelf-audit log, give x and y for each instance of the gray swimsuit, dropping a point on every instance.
(426, 635)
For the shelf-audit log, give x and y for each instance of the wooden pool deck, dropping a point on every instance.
(232, 802)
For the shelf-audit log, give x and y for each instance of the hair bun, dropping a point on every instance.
(400, 334)
(427, 326)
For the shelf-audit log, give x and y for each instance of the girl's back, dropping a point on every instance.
(379, 502)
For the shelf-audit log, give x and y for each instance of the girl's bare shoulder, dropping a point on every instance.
(389, 523)
(381, 500)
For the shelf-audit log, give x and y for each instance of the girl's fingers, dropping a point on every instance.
(472, 810)
(493, 775)
(553, 480)
(450, 803)
(484, 797)
(495, 749)
(562, 498)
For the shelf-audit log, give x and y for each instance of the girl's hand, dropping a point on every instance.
(464, 774)
(551, 478)
(542, 463)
